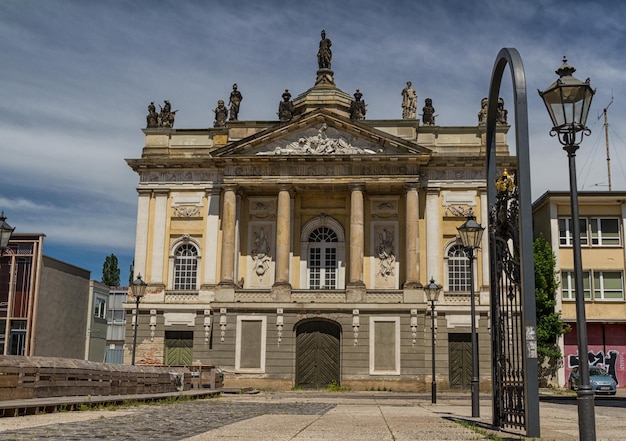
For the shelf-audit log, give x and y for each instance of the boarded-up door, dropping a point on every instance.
(317, 354)
(460, 356)
(178, 348)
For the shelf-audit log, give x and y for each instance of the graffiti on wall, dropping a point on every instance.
(599, 359)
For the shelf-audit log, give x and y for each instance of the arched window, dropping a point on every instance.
(458, 269)
(323, 259)
(185, 267)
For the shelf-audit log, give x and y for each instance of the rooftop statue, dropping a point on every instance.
(501, 113)
(221, 113)
(501, 116)
(153, 117)
(165, 118)
(482, 114)
(409, 102)
(235, 100)
(428, 113)
(285, 108)
(358, 108)
(324, 54)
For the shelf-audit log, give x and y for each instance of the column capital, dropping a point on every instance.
(410, 186)
(357, 186)
(285, 186)
(230, 187)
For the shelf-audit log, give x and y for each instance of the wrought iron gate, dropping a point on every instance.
(507, 306)
(512, 280)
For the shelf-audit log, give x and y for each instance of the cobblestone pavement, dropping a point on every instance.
(162, 422)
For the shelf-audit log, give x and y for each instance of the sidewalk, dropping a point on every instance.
(317, 415)
(402, 417)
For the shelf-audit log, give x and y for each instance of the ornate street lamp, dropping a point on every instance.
(432, 291)
(138, 289)
(5, 233)
(471, 233)
(568, 100)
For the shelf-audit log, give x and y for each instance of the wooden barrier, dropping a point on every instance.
(42, 377)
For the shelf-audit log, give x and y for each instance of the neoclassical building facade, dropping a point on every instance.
(293, 253)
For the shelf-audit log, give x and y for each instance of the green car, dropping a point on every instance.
(600, 380)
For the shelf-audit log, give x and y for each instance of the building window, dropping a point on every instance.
(185, 267)
(100, 310)
(458, 269)
(323, 259)
(603, 232)
(606, 285)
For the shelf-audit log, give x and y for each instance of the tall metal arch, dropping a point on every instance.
(512, 278)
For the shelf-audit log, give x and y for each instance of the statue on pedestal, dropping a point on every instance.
(358, 107)
(285, 108)
(409, 102)
(428, 113)
(235, 100)
(221, 113)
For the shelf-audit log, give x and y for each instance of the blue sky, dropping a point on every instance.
(77, 76)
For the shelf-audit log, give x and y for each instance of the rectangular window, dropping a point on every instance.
(566, 237)
(100, 309)
(602, 231)
(608, 285)
(605, 231)
(568, 285)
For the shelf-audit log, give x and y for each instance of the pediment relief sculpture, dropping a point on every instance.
(321, 140)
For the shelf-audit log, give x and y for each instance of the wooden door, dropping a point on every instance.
(460, 360)
(178, 348)
(317, 354)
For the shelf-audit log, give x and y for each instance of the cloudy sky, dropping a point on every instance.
(76, 77)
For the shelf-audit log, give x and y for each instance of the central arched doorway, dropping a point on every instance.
(317, 353)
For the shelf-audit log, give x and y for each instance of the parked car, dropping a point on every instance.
(600, 380)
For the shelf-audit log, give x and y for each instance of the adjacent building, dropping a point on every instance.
(294, 252)
(602, 217)
(43, 302)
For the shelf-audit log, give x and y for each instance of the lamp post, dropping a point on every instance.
(432, 291)
(5, 233)
(471, 234)
(138, 289)
(568, 101)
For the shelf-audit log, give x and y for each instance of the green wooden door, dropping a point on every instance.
(460, 357)
(317, 354)
(178, 348)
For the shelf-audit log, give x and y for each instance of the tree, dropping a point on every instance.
(132, 272)
(110, 271)
(549, 322)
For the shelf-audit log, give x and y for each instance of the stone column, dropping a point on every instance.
(159, 243)
(412, 237)
(355, 290)
(142, 234)
(433, 236)
(281, 290)
(229, 218)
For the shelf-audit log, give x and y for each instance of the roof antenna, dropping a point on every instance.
(606, 137)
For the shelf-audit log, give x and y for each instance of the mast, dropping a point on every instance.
(606, 140)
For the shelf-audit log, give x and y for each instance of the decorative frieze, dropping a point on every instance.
(178, 176)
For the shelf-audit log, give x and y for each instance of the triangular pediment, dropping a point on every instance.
(321, 133)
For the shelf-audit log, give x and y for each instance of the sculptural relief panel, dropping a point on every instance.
(384, 252)
(260, 260)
